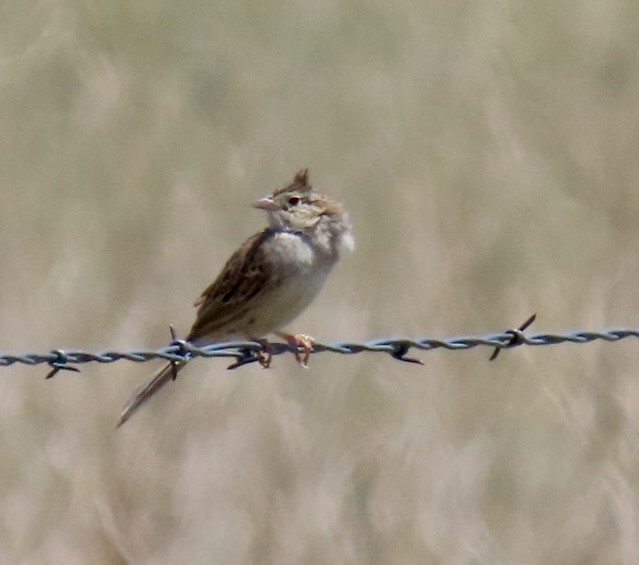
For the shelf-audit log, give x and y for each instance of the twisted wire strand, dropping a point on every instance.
(245, 352)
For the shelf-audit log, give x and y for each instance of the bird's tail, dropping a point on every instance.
(146, 391)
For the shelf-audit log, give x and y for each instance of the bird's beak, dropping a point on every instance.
(266, 203)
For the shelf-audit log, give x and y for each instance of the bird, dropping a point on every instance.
(273, 276)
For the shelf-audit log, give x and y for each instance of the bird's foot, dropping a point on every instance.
(303, 346)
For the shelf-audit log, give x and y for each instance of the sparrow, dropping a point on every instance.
(269, 280)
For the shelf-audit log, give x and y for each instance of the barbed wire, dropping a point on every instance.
(246, 352)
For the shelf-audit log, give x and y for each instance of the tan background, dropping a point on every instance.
(488, 153)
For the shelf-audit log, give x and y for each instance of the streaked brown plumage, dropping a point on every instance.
(270, 279)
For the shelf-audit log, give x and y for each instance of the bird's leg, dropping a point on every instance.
(305, 342)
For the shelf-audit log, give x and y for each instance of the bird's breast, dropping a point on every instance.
(298, 273)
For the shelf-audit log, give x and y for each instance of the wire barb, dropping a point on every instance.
(400, 351)
(182, 345)
(59, 364)
(248, 356)
(518, 337)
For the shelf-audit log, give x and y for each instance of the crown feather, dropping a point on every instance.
(299, 182)
(301, 177)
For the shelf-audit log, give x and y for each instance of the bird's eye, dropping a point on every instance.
(294, 200)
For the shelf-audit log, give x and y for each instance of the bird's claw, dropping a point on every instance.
(302, 347)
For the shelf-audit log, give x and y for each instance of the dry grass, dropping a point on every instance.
(488, 154)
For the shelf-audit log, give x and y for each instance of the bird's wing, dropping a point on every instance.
(229, 296)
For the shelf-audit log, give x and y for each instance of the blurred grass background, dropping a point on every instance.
(487, 153)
